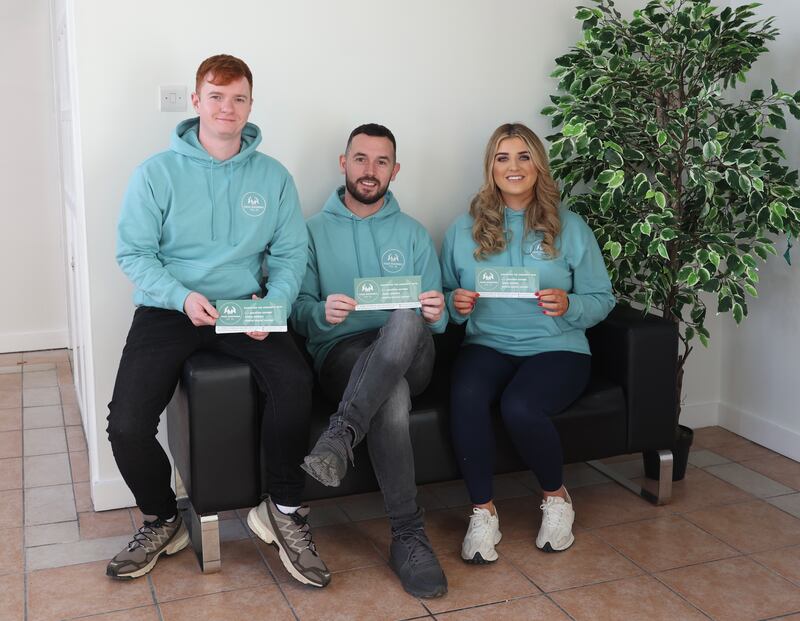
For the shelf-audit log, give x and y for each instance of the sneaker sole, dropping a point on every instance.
(173, 547)
(327, 481)
(477, 559)
(267, 537)
(548, 548)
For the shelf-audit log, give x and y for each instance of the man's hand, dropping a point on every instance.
(432, 305)
(337, 307)
(554, 302)
(464, 300)
(258, 336)
(199, 310)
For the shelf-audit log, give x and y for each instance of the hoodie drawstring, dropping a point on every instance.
(210, 181)
(233, 237)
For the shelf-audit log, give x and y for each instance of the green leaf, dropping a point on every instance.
(613, 158)
(615, 248)
(738, 313)
(549, 110)
(605, 201)
(758, 184)
(744, 184)
(660, 199)
(776, 120)
(668, 234)
(583, 14)
(606, 176)
(632, 155)
(662, 250)
(751, 290)
(645, 228)
(617, 180)
(610, 144)
(709, 151)
(661, 137)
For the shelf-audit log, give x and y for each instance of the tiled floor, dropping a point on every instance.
(726, 547)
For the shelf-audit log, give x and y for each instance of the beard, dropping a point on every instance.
(356, 193)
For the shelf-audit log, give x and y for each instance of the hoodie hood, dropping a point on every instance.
(219, 175)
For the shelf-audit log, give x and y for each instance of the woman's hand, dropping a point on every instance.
(464, 300)
(555, 302)
(432, 305)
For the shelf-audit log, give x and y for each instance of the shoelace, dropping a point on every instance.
(141, 535)
(302, 525)
(421, 550)
(480, 521)
(340, 428)
(553, 516)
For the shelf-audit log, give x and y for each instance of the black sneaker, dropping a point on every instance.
(412, 558)
(327, 461)
(150, 541)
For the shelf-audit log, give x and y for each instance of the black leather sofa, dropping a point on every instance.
(214, 423)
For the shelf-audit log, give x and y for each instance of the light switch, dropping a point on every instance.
(172, 98)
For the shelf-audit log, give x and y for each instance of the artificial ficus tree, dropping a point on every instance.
(685, 187)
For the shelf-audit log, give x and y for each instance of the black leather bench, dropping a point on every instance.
(214, 424)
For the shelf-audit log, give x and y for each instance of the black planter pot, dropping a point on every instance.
(680, 455)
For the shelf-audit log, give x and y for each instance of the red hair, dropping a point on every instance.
(222, 69)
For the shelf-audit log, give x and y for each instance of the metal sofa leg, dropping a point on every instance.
(203, 530)
(658, 492)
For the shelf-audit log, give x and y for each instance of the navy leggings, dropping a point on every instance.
(530, 389)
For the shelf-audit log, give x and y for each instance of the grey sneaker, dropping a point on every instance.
(412, 558)
(151, 541)
(291, 534)
(327, 461)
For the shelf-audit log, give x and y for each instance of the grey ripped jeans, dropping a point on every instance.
(373, 376)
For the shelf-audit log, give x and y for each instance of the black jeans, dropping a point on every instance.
(158, 343)
(373, 376)
(530, 389)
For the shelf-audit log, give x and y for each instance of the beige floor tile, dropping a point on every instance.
(76, 440)
(44, 441)
(46, 355)
(785, 561)
(12, 597)
(372, 593)
(94, 525)
(749, 480)
(744, 451)
(735, 589)
(581, 475)
(48, 505)
(588, 561)
(72, 415)
(363, 506)
(47, 534)
(10, 444)
(534, 608)
(68, 395)
(699, 490)
(12, 558)
(10, 419)
(79, 463)
(711, 437)
(10, 381)
(642, 597)
(778, 468)
(74, 553)
(34, 367)
(42, 416)
(43, 470)
(604, 505)
(10, 358)
(790, 504)
(64, 374)
(51, 592)
(519, 519)
(664, 543)
(145, 613)
(342, 547)
(11, 508)
(179, 576)
(11, 473)
(325, 515)
(749, 527)
(40, 379)
(264, 603)
(32, 397)
(10, 398)
(83, 496)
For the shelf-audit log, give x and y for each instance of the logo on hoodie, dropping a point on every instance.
(253, 204)
(393, 260)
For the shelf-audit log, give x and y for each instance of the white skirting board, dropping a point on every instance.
(33, 341)
(111, 494)
(760, 430)
(696, 415)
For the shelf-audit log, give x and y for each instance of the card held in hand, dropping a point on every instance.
(387, 292)
(250, 316)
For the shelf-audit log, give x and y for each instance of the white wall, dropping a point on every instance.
(33, 312)
(442, 75)
(761, 358)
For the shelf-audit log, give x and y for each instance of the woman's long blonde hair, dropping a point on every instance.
(487, 207)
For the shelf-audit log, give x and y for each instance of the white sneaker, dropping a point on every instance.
(555, 534)
(482, 536)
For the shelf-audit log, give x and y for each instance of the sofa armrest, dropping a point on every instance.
(640, 353)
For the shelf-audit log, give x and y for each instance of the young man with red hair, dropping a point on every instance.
(201, 222)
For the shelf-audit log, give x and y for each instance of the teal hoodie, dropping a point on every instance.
(519, 327)
(342, 247)
(190, 222)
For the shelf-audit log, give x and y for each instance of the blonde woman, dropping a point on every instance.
(529, 355)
